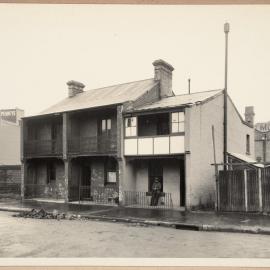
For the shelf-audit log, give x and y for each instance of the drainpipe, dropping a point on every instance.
(226, 31)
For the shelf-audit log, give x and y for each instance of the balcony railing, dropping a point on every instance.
(43, 147)
(154, 145)
(143, 199)
(94, 144)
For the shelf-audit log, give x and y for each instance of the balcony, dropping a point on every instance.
(155, 145)
(93, 145)
(43, 148)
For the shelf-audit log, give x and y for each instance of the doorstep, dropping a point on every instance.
(93, 203)
(45, 200)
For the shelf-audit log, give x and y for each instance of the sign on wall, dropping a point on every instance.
(8, 115)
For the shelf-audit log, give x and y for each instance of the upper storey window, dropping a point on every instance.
(131, 126)
(178, 122)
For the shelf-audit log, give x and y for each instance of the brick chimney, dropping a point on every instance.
(163, 73)
(74, 88)
(249, 115)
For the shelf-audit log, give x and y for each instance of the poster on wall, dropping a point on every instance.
(112, 177)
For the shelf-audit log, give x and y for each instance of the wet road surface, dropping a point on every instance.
(20, 237)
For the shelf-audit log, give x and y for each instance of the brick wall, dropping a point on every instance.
(10, 174)
(10, 181)
(36, 181)
(150, 96)
(98, 179)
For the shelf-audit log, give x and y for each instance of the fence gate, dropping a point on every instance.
(253, 201)
(232, 190)
(244, 190)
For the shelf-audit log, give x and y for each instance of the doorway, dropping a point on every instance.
(155, 170)
(85, 182)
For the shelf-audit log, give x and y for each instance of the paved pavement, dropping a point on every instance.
(27, 238)
(199, 220)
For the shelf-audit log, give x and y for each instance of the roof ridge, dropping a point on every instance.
(199, 92)
(116, 85)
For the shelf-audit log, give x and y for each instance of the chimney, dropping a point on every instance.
(74, 88)
(249, 115)
(163, 73)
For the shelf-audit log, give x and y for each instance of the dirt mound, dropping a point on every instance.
(43, 214)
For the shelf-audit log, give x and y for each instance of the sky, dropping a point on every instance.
(44, 46)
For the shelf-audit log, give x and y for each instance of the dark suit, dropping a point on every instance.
(156, 188)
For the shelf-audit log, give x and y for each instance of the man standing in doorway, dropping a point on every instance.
(156, 189)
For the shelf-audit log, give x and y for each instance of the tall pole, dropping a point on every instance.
(189, 86)
(226, 31)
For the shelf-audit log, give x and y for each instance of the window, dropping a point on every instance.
(110, 171)
(178, 122)
(153, 124)
(106, 125)
(51, 173)
(248, 144)
(131, 126)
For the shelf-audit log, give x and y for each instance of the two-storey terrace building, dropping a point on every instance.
(109, 145)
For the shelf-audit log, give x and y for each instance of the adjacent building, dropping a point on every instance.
(108, 145)
(262, 142)
(10, 162)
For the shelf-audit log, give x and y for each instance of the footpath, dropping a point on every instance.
(185, 220)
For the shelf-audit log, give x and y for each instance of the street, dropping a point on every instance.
(21, 237)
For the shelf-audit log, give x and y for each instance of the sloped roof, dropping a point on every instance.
(246, 159)
(179, 100)
(106, 96)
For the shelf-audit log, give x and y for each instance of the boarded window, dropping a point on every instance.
(110, 171)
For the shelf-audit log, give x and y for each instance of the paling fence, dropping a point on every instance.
(143, 199)
(245, 190)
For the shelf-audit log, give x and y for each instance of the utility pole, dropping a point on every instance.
(226, 31)
(189, 86)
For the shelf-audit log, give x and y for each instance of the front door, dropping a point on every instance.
(155, 170)
(85, 184)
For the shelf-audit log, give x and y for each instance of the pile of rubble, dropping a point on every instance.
(42, 214)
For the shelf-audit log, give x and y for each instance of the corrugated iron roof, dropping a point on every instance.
(246, 159)
(106, 96)
(179, 100)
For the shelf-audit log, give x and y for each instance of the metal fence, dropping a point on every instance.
(143, 199)
(246, 190)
